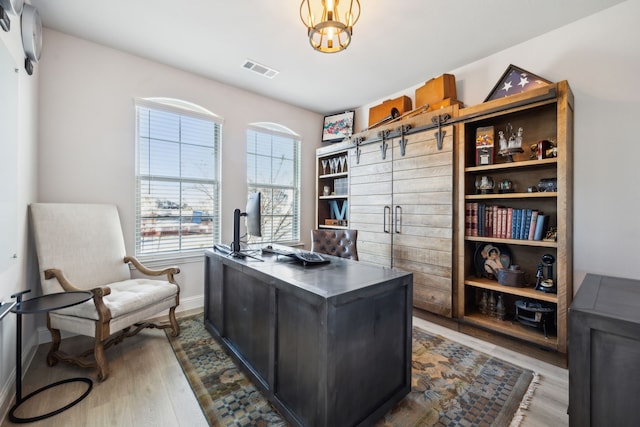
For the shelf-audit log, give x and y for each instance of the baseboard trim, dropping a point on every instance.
(8, 391)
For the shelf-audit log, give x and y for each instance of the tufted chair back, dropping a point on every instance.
(340, 243)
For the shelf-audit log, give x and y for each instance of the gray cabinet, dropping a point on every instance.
(604, 353)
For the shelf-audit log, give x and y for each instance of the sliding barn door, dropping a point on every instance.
(401, 203)
(370, 202)
(423, 217)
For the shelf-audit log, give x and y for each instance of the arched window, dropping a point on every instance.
(273, 169)
(177, 177)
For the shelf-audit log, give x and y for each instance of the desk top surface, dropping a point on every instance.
(338, 277)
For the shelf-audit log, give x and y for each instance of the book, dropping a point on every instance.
(509, 223)
(488, 224)
(532, 225)
(527, 224)
(474, 219)
(541, 227)
(495, 221)
(526, 213)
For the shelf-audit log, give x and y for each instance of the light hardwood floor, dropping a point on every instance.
(147, 387)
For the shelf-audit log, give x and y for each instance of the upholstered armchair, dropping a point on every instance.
(81, 247)
(340, 243)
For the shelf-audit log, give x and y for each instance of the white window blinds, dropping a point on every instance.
(273, 169)
(177, 179)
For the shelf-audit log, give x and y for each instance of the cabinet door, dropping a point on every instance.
(423, 217)
(370, 202)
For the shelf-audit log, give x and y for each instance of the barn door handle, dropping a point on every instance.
(387, 209)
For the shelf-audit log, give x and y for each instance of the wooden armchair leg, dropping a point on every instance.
(55, 345)
(174, 323)
(101, 360)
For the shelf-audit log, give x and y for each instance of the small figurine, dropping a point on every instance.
(518, 142)
(503, 141)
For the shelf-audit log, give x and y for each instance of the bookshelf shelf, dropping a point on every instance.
(522, 242)
(523, 164)
(334, 197)
(529, 292)
(519, 196)
(514, 329)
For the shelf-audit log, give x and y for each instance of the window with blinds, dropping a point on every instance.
(273, 169)
(177, 177)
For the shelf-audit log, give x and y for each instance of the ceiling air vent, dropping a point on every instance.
(263, 70)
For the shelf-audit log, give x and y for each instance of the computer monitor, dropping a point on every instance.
(252, 213)
(253, 220)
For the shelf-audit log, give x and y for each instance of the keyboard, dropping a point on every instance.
(309, 257)
(301, 256)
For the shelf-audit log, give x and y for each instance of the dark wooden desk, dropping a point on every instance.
(329, 345)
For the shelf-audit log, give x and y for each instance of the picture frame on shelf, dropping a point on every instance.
(515, 80)
(337, 127)
(484, 145)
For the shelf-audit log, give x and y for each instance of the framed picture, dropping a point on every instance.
(338, 126)
(515, 80)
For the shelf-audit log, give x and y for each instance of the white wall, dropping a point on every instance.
(600, 58)
(18, 276)
(87, 129)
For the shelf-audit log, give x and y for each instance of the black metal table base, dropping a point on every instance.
(16, 419)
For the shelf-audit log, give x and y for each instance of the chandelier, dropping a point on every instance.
(332, 31)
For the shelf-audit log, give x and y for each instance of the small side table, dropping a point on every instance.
(43, 304)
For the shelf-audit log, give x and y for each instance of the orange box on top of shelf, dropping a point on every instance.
(391, 108)
(436, 90)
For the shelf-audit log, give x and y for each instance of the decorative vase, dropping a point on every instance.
(501, 311)
(492, 305)
(484, 302)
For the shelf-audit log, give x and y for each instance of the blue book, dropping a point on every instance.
(541, 227)
(524, 234)
(523, 218)
(519, 223)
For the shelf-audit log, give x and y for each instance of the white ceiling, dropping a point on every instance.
(395, 45)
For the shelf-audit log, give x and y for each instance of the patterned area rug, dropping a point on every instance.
(452, 385)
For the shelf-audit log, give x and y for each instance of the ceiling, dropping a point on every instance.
(395, 45)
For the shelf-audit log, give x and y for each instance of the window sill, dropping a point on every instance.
(172, 259)
(169, 260)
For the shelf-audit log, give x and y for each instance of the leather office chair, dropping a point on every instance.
(81, 247)
(340, 243)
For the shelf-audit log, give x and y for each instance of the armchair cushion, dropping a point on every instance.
(126, 297)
